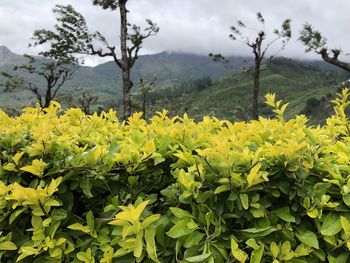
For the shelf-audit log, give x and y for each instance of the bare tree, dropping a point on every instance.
(145, 88)
(72, 35)
(315, 42)
(85, 100)
(54, 73)
(259, 49)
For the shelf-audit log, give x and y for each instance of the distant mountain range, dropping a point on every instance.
(105, 80)
(228, 95)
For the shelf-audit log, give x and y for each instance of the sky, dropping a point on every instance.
(190, 26)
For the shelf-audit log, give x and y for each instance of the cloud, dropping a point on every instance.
(194, 26)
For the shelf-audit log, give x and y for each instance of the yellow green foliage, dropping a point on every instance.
(90, 188)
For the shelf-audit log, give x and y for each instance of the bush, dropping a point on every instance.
(78, 188)
(312, 105)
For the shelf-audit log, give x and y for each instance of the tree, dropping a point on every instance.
(315, 42)
(82, 99)
(85, 100)
(258, 48)
(53, 69)
(71, 34)
(145, 88)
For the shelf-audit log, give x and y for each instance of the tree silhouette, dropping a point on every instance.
(315, 42)
(72, 35)
(259, 49)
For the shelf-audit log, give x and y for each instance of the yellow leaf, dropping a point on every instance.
(37, 168)
(20, 193)
(345, 225)
(125, 215)
(10, 167)
(312, 213)
(119, 222)
(138, 210)
(17, 157)
(253, 175)
(53, 186)
(239, 254)
(3, 188)
(131, 229)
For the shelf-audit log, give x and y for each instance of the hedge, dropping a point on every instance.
(90, 188)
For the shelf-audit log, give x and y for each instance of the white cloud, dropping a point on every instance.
(196, 26)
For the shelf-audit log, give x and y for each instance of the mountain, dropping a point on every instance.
(6, 54)
(296, 82)
(170, 69)
(199, 86)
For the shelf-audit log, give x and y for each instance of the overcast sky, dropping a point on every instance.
(195, 26)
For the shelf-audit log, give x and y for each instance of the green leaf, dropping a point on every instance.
(22, 256)
(199, 259)
(221, 188)
(86, 186)
(180, 229)
(257, 254)
(342, 258)
(82, 256)
(345, 225)
(59, 214)
(179, 213)
(303, 250)
(193, 239)
(331, 225)
(252, 243)
(346, 199)
(149, 220)
(274, 249)
(139, 246)
(56, 252)
(307, 237)
(79, 227)
(90, 220)
(15, 214)
(284, 214)
(7, 245)
(132, 180)
(244, 200)
(151, 244)
(259, 232)
(287, 254)
(239, 254)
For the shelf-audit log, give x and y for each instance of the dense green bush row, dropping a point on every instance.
(77, 188)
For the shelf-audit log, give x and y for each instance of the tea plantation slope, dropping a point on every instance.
(294, 81)
(77, 188)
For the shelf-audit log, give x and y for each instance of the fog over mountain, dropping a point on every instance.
(196, 26)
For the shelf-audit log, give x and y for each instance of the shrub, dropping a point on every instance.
(78, 188)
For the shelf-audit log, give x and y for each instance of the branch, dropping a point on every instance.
(33, 88)
(67, 75)
(334, 59)
(137, 38)
(100, 53)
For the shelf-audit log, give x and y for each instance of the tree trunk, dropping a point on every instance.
(144, 105)
(255, 110)
(48, 98)
(127, 83)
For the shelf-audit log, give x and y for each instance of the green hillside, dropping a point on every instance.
(104, 80)
(293, 81)
(196, 85)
